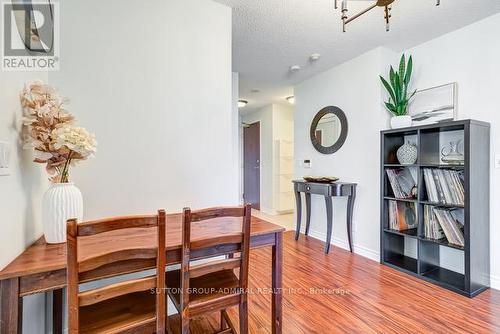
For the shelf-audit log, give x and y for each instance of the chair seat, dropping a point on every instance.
(204, 288)
(120, 314)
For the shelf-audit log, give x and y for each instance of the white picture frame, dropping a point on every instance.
(434, 105)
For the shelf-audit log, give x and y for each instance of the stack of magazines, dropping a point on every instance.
(402, 216)
(440, 223)
(444, 186)
(402, 183)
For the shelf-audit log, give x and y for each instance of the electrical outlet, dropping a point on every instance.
(4, 158)
(497, 161)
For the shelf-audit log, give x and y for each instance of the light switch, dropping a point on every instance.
(4, 158)
(497, 161)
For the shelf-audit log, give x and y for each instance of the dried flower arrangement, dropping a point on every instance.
(49, 131)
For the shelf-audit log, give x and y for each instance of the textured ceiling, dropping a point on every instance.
(271, 35)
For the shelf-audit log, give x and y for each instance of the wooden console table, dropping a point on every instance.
(42, 267)
(327, 190)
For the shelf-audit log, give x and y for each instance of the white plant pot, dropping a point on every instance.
(401, 121)
(62, 201)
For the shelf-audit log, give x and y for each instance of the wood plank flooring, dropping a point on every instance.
(345, 293)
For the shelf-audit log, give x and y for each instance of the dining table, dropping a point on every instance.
(41, 268)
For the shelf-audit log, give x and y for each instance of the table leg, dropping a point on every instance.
(57, 311)
(11, 307)
(298, 202)
(329, 222)
(277, 272)
(308, 212)
(350, 209)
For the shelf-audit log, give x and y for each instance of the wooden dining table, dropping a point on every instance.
(42, 267)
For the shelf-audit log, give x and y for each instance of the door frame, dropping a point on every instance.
(243, 125)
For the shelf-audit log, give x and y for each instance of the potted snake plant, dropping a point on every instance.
(397, 87)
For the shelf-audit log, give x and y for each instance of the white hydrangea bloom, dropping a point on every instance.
(76, 139)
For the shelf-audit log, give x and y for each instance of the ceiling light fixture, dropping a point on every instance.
(386, 4)
(314, 57)
(291, 99)
(294, 68)
(242, 103)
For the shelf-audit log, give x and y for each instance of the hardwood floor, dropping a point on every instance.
(345, 293)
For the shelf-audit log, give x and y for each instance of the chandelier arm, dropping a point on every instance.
(345, 19)
(387, 10)
(355, 16)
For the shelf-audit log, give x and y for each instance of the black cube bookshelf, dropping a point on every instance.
(465, 270)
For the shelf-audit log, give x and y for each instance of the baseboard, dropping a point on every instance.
(374, 255)
(268, 211)
(284, 212)
(341, 243)
(495, 282)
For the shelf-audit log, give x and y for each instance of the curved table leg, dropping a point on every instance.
(329, 222)
(350, 208)
(308, 212)
(298, 202)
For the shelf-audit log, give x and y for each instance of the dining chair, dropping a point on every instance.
(212, 286)
(130, 306)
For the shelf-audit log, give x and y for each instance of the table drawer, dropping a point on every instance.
(311, 188)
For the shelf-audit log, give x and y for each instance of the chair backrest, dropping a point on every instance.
(78, 271)
(227, 244)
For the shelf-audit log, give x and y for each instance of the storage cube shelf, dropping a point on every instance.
(409, 250)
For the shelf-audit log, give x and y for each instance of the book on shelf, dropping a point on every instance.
(442, 223)
(402, 183)
(445, 186)
(402, 216)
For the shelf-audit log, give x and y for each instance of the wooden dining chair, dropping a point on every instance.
(212, 286)
(130, 306)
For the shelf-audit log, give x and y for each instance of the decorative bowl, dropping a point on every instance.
(321, 179)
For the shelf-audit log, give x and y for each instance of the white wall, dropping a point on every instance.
(22, 190)
(468, 56)
(355, 88)
(153, 81)
(283, 121)
(237, 134)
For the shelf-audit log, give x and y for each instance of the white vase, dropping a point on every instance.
(407, 154)
(62, 201)
(401, 121)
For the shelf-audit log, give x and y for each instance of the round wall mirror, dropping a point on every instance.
(329, 130)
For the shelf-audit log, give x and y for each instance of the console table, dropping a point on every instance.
(328, 190)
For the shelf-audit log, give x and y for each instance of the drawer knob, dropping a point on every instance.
(308, 188)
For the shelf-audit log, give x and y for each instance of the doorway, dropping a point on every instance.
(251, 164)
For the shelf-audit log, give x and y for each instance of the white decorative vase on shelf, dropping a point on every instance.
(62, 201)
(401, 121)
(407, 154)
